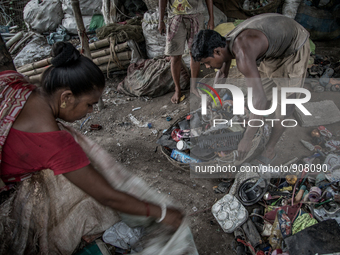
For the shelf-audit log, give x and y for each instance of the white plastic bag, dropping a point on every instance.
(87, 7)
(43, 17)
(155, 42)
(69, 22)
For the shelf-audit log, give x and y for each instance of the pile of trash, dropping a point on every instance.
(287, 205)
(213, 136)
(325, 74)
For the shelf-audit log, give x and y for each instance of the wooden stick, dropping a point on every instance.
(81, 28)
(12, 47)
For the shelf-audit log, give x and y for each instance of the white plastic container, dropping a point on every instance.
(229, 213)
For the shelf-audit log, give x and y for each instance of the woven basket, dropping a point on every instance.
(271, 7)
(259, 139)
(151, 4)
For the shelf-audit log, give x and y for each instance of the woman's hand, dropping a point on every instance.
(173, 217)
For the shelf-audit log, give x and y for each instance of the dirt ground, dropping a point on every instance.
(136, 148)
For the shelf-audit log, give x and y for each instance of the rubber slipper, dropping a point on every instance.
(262, 160)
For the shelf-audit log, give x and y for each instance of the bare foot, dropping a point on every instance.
(194, 91)
(176, 97)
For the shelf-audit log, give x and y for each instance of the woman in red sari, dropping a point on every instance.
(31, 140)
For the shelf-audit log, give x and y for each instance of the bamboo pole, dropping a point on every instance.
(126, 55)
(15, 38)
(100, 44)
(25, 38)
(35, 65)
(35, 79)
(118, 48)
(36, 71)
(104, 68)
(40, 66)
(44, 62)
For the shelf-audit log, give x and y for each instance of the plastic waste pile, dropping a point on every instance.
(324, 74)
(288, 207)
(197, 138)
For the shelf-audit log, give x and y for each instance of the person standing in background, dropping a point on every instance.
(185, 19)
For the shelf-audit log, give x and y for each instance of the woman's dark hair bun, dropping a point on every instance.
(63, 54)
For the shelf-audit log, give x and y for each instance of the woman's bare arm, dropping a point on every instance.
(95, 185)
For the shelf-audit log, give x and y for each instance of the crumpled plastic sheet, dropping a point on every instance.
(59, 36)
(35, 50)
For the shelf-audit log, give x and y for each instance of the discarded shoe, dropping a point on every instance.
(325, 78)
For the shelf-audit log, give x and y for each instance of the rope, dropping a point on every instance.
(113, 55)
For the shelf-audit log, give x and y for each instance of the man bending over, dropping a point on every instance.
(265, 46)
